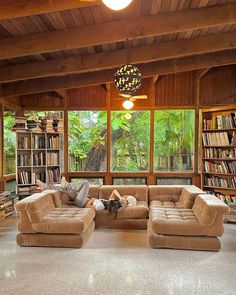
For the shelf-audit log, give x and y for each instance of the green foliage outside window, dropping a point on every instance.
(9, 143)
(87, 140)
(130, 138)
(174, 140)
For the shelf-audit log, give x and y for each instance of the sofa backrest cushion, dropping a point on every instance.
(187, 199)
(94, 191)
(39, 207)
(205, 214)
(164, 193)
(209, 209)
(140, 192)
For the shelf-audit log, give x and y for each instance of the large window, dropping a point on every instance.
(87, 140)
(174, 140)
(130, 140)
(9, 143)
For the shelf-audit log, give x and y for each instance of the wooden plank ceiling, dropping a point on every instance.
(88, 37)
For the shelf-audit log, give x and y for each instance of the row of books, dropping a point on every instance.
(25, 191)
(38, 142)
(24, 177)
(222, 167)
(38, 175)
(53, 142)
(220, 182)
(227, 198)
(39, 159)
(53, 175)
(220, 122)
(24, 142)
(220, 153)
(52, 158)
(219, 139)
(23, 160)
(7, 202)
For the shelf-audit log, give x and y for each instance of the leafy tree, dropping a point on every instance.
(174, 138)
(9, 143)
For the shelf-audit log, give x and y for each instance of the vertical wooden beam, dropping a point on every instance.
(108, 178)
(1, 141)
(151, 177)
(66, 133)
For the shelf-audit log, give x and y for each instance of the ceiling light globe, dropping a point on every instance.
(117, 4)
(127, 104)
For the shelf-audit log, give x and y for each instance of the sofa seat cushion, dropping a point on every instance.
(140, 211)
(173, 221)
(65, 220)
(166, 204)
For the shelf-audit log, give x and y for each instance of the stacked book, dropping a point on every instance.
(20, 124)
(7, 202)
(26, 191)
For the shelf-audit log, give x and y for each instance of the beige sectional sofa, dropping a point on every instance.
(43, 222)
(177, 217)
(127, 217)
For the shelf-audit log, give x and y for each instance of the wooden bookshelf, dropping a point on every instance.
(38, 157)
(218, 155)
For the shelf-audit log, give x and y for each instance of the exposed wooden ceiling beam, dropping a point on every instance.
(109, 60)
(106, 76)
(61, 93)
(122, 30)
(13, 8)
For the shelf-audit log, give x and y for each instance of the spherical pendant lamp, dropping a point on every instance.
(117, 4)
(128, 79)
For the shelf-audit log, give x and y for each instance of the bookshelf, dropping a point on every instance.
(218, 154)
(38, 157)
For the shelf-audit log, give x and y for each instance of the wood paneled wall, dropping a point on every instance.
(218, 86)
(41, 101)
(81, 98)
(176, 90)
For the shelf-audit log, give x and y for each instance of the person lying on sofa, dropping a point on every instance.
(115, 202)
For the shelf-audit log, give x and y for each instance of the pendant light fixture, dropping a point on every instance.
(117, 4)
(128, 104)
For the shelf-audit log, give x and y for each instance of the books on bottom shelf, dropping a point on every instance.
(27, 190)
(227, 198)
(7, 202)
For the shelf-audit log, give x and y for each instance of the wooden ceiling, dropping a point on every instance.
(60, 44)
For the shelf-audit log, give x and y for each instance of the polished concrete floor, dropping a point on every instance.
(115, 262)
